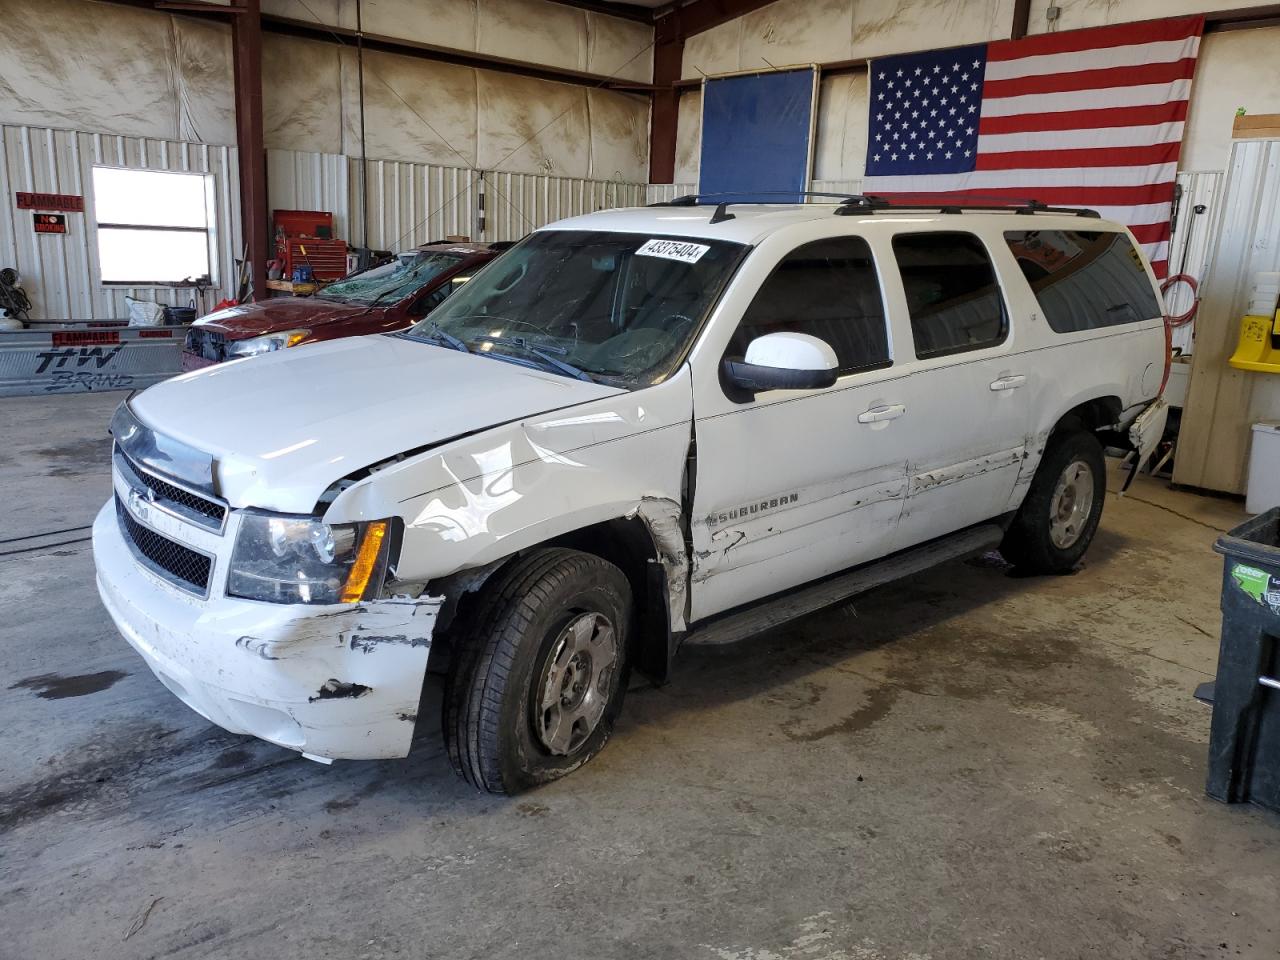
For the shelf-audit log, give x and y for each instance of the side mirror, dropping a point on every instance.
(780, 361)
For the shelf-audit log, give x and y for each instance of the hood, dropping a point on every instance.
(281, 313)
(283, 426)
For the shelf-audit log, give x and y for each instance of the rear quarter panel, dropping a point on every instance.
(1065, 370)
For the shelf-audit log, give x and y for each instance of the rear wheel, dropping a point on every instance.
(1057, 520)
(540, 674)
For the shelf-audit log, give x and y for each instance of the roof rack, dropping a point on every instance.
(857, 203)
(870, 203)
(707, 199)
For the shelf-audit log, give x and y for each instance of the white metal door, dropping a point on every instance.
(967, 388)
(792, 488)
(797, 484)
(967, 421)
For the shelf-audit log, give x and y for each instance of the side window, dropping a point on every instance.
(828, 289)
(952, 293)
(428, 302)
(1084, 280)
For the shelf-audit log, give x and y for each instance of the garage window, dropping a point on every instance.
(153, 226)
(828, 289)
(952, 293)
(1084, 280)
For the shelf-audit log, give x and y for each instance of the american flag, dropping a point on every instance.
(1088, 118)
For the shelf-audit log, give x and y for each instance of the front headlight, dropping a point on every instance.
(266, 343)
(283, 559)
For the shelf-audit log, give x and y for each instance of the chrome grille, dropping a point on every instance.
(167, 496)
(183, 567)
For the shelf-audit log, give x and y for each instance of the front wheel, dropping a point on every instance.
(540, 675)
(1057, 520)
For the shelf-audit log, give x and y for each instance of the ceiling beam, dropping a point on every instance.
(309, 30)
(343, 36)
(1242, 19)
(701, 15)
(622, 11)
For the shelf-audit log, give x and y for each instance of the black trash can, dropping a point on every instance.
(179, 316)
(1244, 740)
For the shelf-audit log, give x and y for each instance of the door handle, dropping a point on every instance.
(890, 411)
(1009, 383)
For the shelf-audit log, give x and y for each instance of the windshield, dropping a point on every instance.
(391, 281)
(608, 305)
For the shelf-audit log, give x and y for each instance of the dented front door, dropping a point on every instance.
(792, 487)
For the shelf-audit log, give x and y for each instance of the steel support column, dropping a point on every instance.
(246, 42)
(668, 58)
(1021, 19)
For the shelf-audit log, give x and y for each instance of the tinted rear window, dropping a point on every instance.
(1084, 280)
(952, 294)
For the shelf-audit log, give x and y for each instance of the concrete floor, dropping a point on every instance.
(968, 765)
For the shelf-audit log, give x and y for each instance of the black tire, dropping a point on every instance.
(490, 705)
(1029, 543)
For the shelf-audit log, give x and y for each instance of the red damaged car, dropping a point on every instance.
(379, 300)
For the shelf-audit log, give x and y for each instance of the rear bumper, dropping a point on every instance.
(1147, 429)
(338, 682)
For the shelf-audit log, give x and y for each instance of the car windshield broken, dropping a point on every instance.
(390, 281)
(617, 306)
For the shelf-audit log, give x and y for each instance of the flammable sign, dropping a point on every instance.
(51, 222)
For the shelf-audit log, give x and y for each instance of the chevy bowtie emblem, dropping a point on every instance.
(140, 502)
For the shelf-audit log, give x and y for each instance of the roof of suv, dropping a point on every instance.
(751, 222)
(468, 247)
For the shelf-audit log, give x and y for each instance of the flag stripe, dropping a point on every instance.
(1104, 78)
(1134, 55)
(1023, 179)
(1135, 213)
(1120, 35)
(1150, 232)
(1111, 156)
(1145, 94)
(1085, 119)
(1067, 139)
(1072, 196)
(1156, 251)
(1088, 118)
(1140, 213)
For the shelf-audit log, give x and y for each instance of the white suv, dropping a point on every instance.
(628, 431)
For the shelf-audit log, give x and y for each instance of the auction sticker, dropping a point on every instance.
(673, 250)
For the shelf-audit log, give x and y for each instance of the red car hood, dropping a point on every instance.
(282, 313)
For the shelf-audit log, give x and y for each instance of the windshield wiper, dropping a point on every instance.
(543, 354)
(447, 338)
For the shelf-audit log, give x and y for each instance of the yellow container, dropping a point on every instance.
(1259, 346)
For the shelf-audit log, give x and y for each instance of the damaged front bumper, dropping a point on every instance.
(333, 682)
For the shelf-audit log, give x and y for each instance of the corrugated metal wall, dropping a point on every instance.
(59, 272)
(1222, 401)
(516, 203)
(1192, 244)
(409, 204)
(413, 203)
(310, 181)
(662, 192)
